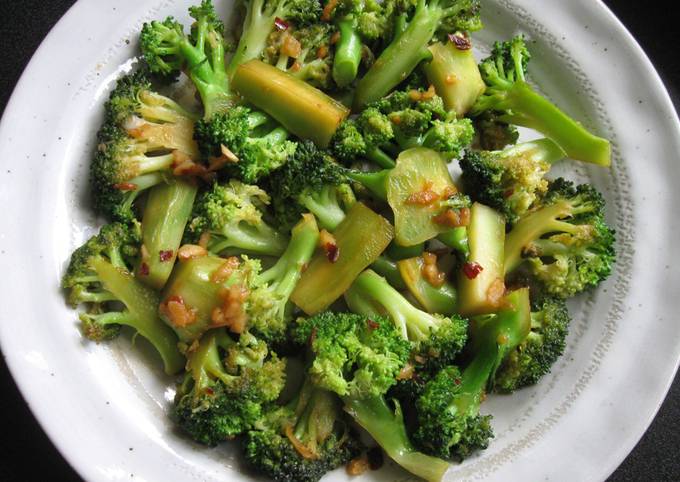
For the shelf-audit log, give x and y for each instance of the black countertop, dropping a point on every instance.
(25, 452)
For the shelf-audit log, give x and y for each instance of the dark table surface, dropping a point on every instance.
(26, 454)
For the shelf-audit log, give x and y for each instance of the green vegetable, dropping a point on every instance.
(441, 299)
(359, 240)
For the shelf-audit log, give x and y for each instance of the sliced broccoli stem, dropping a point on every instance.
(142, 303)
(347, 52)
(400, 58)
(528, 109)
(387, 428)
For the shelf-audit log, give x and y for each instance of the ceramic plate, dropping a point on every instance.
(105, 406)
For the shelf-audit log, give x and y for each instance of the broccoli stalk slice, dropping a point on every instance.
(347, 52)
(141, 303)
(387, 428)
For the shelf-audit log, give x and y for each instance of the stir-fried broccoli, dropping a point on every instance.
(310, 181)
(538, 352)
(511, 180)
(225, 386)
(245, 142)
(402, 120)
(564, 239)
(304, 53)
(259, 22)
(232, 214)
(437, 339)
(168, 49)
(430, 19)
(99, 274)
(359, 358)
(136, 145)
(510, 97)
(302, 440)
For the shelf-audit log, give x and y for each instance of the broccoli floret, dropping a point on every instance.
(303, 440)
(99, 274)
(511, 180)
(168, 49)
(402, 120)
(359, 359)
(304, 53)
(449, 423)
(232, 215)
(413, 33)
(545, 343)
(136, 145)
(492, 134)
(246, 143)
(564, 239)
(258, 24)
(268, 301)
(437, 339)
(226, 384)
(310, 181)
(512, 100)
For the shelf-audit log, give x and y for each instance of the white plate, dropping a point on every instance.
(104, 406)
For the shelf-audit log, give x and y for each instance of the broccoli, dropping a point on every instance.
(513, 101)
(245, 142)
(168, 49)
(358, 22)
(99, 274)
(268, 301)
(564, 239)
(302, 440)
(430, 19)
(359, 359)
(402, 120)
(437, 339)
(232, 214)
(310, 181)
(259, 22)
(492, 134)
(136, 145)
(512, 179)
(226, 384)
(304, 53)
(449, 423)
(537, 353)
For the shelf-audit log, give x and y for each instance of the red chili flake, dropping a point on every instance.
(372, 325)
(457, 381)
(281, 24)
(165, 255)
(312, 337)
(472, 270)
(332, 252)
(461, 43)
(144, 269)
(508, 192)
(125, 186)
(209, 391)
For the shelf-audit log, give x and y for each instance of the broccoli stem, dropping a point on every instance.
(324, 205)
(260, 239)
(256, 29)
(412, 323)
(388, 269)
(347, 53)
(166, 213)
(388, 429)
(532, 227)
(151, 164)
(142, 304)
(376, 182)
(400, 58)
(456, 238)
(528, 109)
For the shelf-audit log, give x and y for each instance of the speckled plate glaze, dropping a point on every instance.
(105, 406)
